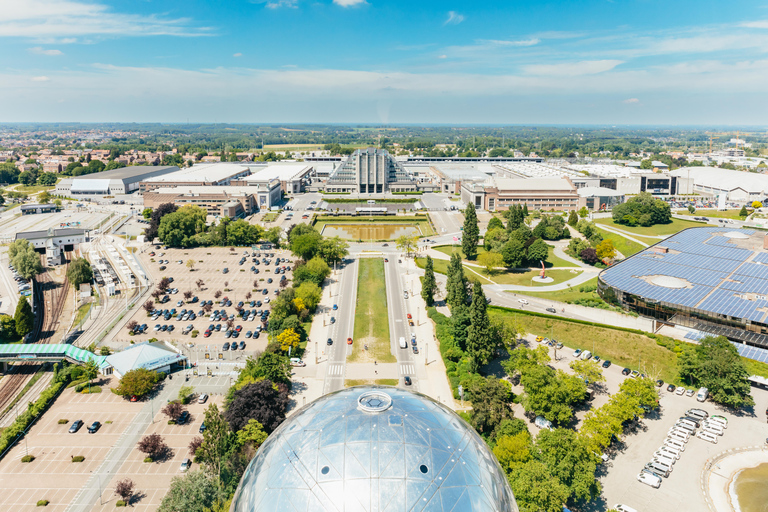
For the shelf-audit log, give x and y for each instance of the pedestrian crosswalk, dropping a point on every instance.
(407, 369)
(336, 369)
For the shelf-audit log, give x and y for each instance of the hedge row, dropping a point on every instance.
(25, 419)
(456, 363)
(365, 201)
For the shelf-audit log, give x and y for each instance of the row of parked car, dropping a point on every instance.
(21, 283)
(695, 422)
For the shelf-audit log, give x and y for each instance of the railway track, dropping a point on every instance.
(49, 302)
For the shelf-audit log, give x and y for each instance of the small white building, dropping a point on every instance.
(157, 356)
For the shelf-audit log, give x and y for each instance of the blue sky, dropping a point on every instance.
(673, 62)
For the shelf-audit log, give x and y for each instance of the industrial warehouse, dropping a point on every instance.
(706, 281)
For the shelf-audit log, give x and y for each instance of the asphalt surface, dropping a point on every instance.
(397, 306)
(345, 296)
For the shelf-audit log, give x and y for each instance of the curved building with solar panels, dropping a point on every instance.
(706, 281)
(374, 448)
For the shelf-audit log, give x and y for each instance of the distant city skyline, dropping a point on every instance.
(385, 62)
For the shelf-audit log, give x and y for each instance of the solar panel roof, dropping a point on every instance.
(721, 277)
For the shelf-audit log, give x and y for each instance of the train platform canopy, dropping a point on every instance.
(151, 356)
(52, 352)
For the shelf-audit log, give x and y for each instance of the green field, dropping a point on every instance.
(709, 212)
(505, 277)
(371, 318)
(270, 217)
(552, 260)
(33, 189)
(627, 349)
(569, 295)
(652, 231)
(624, 246)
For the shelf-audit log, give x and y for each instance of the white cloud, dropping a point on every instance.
(587, 67)
(40, 79)
(631, 101)
(39, 50)
(525, 42)
(238, 54)
(454, 18)
(756, 24)
(291, 4)
(348, 3)
(442, 56)
(51, 19)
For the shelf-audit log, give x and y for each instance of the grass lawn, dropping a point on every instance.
(507, 277)
(627, 349)
(33, 189)
(657, 230)
(366, 382)
(421, 222)
(568, 295)
(710, 212)
(269, 217)
(371, 318)
(624, 246)
(82, 312)
(552, 260)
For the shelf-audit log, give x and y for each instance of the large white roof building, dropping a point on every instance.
(737, 185)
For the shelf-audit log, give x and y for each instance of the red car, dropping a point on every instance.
(239, 328)
(409, 316)
(152, 254)
(134, 398)
(349, 341)
(207, 334)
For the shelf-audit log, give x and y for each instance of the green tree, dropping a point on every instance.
(605, 250)
(512, 451)
(47, 179)
(536, 490)
(272, 235)
(429, 284)
(513, 253)
(481, 338)
(573, 218)
(44, 197)
(495, 223)
(646, 164)
(252, 433)
(715, 364)
(79, 272)
(588, 370)
(310, 294)
(569, 459)
(147, 213)
(24, 258)
(23, 317)
(691, 209)
(743, 213)
(538, 251)
(241, 233)
(491, 261)
(90, 371)
(551, 393)
(456, 287)
(176, 229)
(270, 366)
(306, 245)
(494, 239)
(471, 233)
(315, 270)
(583, 212)
(491, 400)
(137, 383)
(216, 436)
(333, 249)
(194, 491)
(7, 328)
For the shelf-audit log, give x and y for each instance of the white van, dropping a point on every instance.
(669, 461)
(702, 394)
(683, 421)
(722, 420)
(714, 429)
(542, 422)
(685, 426)
(649, 479)
(673, 452)
(674, 443)
(683, 438)
(680, 434)
(706, 436)
(586, 355)
(403, 344)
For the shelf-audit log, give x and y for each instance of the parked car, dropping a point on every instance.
(94, 427)
(671, 388)
(626, 371)
(183, 417)
(577, 352)
(75, 426)
(407, 380)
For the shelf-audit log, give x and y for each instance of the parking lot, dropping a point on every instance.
(153, 479)
(239, 285)
(681, 491)
(52, 475)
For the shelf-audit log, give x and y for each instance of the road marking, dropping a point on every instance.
(406, 369)
(336, 369)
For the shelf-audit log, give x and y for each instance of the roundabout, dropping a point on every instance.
(720, 477)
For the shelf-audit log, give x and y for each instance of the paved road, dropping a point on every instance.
(397, 308)
(345, 297)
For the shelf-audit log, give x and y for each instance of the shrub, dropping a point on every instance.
(78, 458)
(195, 333)
(28, 458)
(43, 503)
(24, 419)
(120, 503)
(171, 422)
(148, 459)
(63, 422)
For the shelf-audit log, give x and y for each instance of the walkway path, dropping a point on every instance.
(628, 235)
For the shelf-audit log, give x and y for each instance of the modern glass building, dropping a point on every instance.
(370, 171)
(707, 281)
(373, 448)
